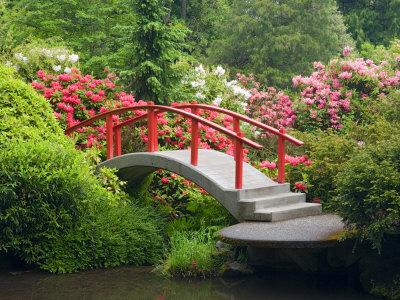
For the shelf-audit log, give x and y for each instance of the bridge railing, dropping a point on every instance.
(236, 118)
(113, 132)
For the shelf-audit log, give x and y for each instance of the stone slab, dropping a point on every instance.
(308, 232)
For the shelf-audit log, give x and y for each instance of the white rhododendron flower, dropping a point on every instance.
(217, 101)
(238, 91)
(67, 70)
(47, 52)
(21, 57)
(73, 58)
(231, 83)
(57, 68)
(246, 95)
(61, 57)
(200, 95)
(198, 83)
(219, 71)
(200, 70)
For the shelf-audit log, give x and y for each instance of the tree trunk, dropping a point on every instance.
(183, 9)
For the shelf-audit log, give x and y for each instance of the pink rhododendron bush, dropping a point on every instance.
(341, 91)
(76, 97)
(333, 94)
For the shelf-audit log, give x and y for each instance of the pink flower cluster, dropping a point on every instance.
(76, 97)
(328, 94)
(271, 107)
(289, 160)
(297, 160)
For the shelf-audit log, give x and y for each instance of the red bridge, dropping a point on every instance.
(247, 193)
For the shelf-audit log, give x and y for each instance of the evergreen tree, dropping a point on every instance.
(374, 21)
(158, 43)
(202, 18)
(277, 39)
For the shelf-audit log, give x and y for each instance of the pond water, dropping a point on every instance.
(141, 283)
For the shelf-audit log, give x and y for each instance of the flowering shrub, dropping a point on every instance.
(213, 86)
(76, 97)
(341, 90)
(295, 168)
(271, 107)
(28, 59)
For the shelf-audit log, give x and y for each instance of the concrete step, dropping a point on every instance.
(247, 207)
(261, 192)
(286, 212)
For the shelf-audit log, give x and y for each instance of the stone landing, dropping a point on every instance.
(308, 232)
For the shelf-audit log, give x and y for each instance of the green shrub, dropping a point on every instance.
(327, 151)
(55, 213)
(23, 113)
(368, 189)
(192, 254)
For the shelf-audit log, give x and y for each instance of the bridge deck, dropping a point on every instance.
(220, 168)
(260, 199)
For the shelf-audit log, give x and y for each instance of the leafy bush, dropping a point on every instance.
(327, 151)
(368, 190)
(23, 112)
(54, 212)
(192, 254)
(29, 58)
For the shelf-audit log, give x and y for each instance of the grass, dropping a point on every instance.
(192, 254)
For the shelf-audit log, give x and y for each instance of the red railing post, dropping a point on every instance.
(117, 140)
(239, 161)
(109, 136)
(152, 136)
(236, 129)
(281, 156)
(194, 151)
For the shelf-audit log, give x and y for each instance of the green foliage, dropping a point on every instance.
(368, 190)
(92, 28)
(192, 254)
(376, 21)
(110, 181)
(28, 58)
(327, 151)
(381, 53)
(202, 18)
(277, 40)
(160, 44)
(189, 206)
(389, 107)
(54, 212)
(24, 114)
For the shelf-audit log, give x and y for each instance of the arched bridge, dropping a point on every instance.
(245, 192)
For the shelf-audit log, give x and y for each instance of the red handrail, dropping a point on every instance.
(113, 139)
(281, 133)
(240, 117)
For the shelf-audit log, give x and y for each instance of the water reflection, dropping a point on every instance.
(140, 283)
